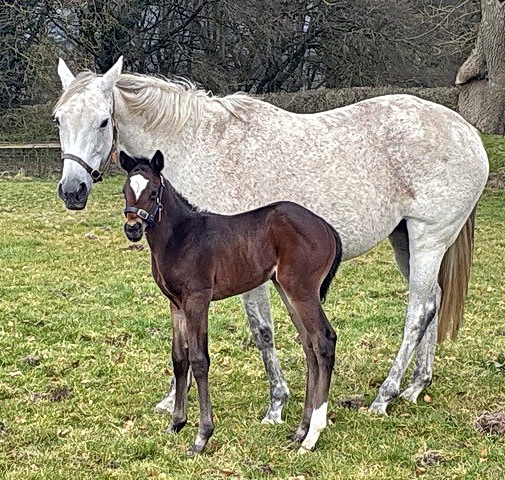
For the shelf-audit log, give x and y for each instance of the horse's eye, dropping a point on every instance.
(57, 121)
(104, 123)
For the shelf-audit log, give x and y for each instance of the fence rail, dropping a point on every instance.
(38, 159)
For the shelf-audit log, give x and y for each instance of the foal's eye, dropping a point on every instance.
(57, 121)
(104, 123)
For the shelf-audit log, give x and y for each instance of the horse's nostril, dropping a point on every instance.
(82, 189)
(60, 191)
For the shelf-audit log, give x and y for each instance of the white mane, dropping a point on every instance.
(168, 104)
(163, 104)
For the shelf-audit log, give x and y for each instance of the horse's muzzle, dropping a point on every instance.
(74, 200)
(134, 231)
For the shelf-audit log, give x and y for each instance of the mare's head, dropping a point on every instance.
(143, 193)
(84, 114)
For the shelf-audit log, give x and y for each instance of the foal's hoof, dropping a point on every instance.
(299, 435)
(302, 450)
(175, 427)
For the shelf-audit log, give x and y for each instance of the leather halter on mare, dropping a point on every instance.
(150, 218)
(97, 175)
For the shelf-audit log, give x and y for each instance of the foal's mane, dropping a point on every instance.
(162, 103)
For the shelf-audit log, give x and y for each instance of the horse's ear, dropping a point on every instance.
(127, 163)
(66, 76)
(113, 73)
(158, 162)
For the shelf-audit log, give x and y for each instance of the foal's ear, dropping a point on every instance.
(158, 162)
(127, 163)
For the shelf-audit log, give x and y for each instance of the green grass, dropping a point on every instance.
(89, 309)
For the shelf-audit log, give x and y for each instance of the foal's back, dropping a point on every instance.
(279, 239)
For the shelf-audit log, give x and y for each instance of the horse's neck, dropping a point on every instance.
(176, 147)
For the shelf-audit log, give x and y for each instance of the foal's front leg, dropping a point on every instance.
(197, 310)
(180, 359)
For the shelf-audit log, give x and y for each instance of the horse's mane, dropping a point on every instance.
(162, 103)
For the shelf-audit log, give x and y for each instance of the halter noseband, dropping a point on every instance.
(97, 175)
(150, 218)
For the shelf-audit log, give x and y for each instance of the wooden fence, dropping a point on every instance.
(41, 159)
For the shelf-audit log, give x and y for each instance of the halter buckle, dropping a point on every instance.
(96, 175)
(143, 214)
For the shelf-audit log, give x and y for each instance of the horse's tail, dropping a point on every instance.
(453, 279)
(334, 266)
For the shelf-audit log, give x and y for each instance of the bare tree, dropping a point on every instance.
(482, 76)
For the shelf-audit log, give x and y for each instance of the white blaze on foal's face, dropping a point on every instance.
(138, 183)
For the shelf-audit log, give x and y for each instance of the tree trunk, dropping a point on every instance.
(482, 76)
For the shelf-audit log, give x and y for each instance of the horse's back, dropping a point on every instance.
(362, 167)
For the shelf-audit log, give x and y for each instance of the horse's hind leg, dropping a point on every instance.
(257, 306)
(312, 368)
(425, 352)
(427, 248)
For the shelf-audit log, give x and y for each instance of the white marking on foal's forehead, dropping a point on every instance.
(138, 183)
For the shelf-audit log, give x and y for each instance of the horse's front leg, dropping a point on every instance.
(196, 309)
(257, 307)
(180, 359)
(167, 404)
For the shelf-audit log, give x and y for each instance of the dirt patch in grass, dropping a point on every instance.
(496, 181)
(118, 340)
(429, 458)
(59, 394)
(136, 246)
(490, 423)
(32, 360)
(352, 403)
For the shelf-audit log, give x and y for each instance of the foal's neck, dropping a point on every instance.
(177, 218)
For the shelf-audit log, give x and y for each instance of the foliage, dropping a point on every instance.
(257, 46)
(85, 335)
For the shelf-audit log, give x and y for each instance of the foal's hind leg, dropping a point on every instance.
(180, 359)
(257, 307)
(312, 368)
(427, 249)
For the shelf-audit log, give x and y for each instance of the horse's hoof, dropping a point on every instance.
(194, 450)
(165, 407)
(378, 407)
(411, 394)
(272, 418)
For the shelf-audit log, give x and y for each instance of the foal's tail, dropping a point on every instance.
(453, 279)
(334, 266)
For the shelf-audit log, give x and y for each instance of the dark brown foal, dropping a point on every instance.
(198, 257)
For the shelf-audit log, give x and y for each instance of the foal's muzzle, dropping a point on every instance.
(134, 231)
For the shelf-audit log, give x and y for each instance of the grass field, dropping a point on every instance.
(85, 337)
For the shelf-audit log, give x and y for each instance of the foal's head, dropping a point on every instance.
(143, 193)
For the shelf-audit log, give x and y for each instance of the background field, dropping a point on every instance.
(85, 337)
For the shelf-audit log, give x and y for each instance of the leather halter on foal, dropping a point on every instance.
(150, 218)
(97, 175)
